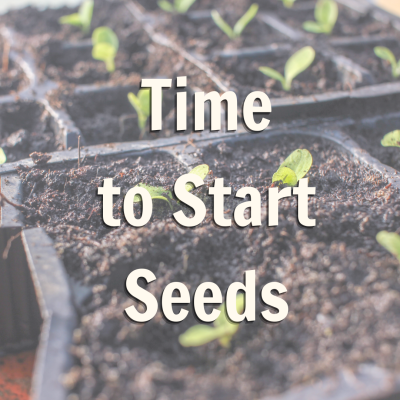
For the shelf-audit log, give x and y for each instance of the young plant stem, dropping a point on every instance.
(9, 244)
(6, 56)
(142, 133)
(79, 151)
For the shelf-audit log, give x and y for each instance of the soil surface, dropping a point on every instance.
(107, 116)
(349, 23)
(25, 127)
(369, 133)
(364, 55)
(243, 74)
(343, 288)
(204, 37)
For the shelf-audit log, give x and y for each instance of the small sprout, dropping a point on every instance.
(160, 193)
(391, 139)
(224, 329)
(179, 6)
(141, 103)
(294, 167)
(326, 14)
(386, 54)
(105, 46)
(288, 3)
(239, 26)
(295, 65)
(390, 241)
(3, 157)
(82, 19)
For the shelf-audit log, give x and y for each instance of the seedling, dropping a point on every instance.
(82, 19)
(223, 331)
(141, 103)
(239, 26)
(390, 241)
(105, 46)
(386, 54)
(326, 14)
(288, 3)
(179, 6)
(3, 157)
(391, 139)
(294, 167)
(160, 193)
(294, 66)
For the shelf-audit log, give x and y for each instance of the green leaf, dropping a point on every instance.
(105, 46)
(222, 24)
(313, 27)
(288, 3)
(245, 19)
(298, 63)
(105, 52)
(141, 103)
(286, 176)
(390, 241)
(386, 54)
(199, 335)
(272, 73)
(182, 6)
(103, 34)
(326, 13)
(82, 18)
(72, 19)
(166, 6)
(86, 14)
(391, 139)
(3, 157)
(299, 162)
(156, 193)
(202, 171)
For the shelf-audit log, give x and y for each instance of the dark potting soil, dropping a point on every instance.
(243, 74)
(369, 135)
(107, 116)
(349, 23)
(25, 127)
(63, 61)
(364, 55)
(12, 77)
(343, 288)
(204, 37)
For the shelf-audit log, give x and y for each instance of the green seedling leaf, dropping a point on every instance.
(156, 193)
(240, 24)
(199, 335)
(299, 162)
(202, 171)
(245, 20)
(166, 6)
(105, 46)
(223, 330)
(298, 63)
(286, 176)
(182, 6)
(295, 65)
(219, 21)
(3, 157)
(82, 19)
(288, 3)
(141, 103)
(386, 54)
(390, 241)
(326, 13)
(391, 139)
(179, 6)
